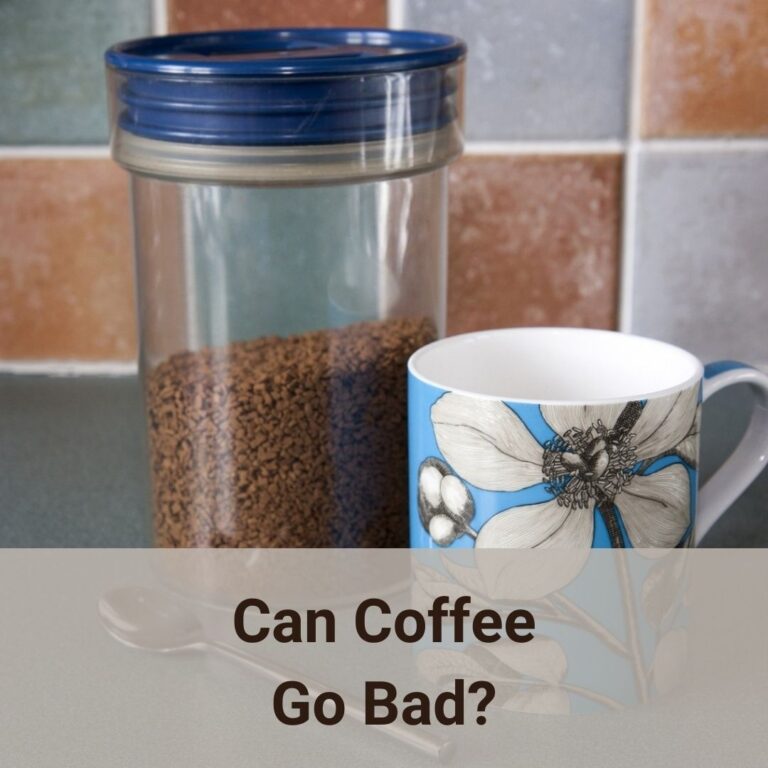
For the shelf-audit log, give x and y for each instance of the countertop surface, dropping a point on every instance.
(73, 464)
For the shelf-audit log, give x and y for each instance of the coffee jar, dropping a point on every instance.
(289, 196)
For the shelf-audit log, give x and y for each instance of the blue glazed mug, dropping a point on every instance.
(570, 438)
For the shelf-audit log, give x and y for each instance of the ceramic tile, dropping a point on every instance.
(701, 263)
(52, 87)
(66, 288)
(192, 15)
(706, 68)
(534, 241)
(544, 70)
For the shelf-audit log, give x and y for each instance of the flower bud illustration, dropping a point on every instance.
(446, 506)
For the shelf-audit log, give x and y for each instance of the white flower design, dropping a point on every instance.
(597, 461)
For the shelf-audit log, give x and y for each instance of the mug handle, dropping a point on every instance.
(751, 454)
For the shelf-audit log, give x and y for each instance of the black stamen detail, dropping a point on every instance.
(628, 418)
(608, 513)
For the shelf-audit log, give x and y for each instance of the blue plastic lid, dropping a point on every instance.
(286, 87)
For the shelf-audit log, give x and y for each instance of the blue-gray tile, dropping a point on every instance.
(51, 57)
(543, 70)
(701, 262)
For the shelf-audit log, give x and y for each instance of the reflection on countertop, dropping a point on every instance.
(73, 461)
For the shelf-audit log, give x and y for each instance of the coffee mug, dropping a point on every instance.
(558, 437)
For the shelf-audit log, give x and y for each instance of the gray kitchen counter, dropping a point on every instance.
(73, 464)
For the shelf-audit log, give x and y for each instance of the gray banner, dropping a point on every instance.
(381, 657)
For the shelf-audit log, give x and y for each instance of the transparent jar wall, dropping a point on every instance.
(276, 323)
(222, 263)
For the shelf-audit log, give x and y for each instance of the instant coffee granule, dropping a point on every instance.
(285, 442)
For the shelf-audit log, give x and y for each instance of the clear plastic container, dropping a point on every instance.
(289, 196)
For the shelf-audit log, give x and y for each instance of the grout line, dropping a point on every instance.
(44, 151)
(628, 238)
(68, 368)
(159, 17)
(396, 14)
(607, 146)
(630, 176)
(635, 105)
(720, 144)
(564, 147)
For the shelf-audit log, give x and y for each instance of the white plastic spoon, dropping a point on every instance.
(153, 621)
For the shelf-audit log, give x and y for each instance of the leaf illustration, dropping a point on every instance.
(440, 666)
(661, 592)
(433, 583)
(469, 577)
(545, 664)
(541, 659)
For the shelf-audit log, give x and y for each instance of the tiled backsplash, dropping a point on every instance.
(707, 68)
(51, 75)
(550, 69)
(534, 240)
(65, 273)
(616, 172)
(701, 267)
(197, 15)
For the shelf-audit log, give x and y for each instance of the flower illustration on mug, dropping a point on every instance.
(597, 460)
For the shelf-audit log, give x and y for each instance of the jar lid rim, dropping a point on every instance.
(286, 52)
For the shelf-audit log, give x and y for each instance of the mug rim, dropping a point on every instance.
(686, 357)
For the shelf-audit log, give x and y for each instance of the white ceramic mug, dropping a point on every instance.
(560, 437)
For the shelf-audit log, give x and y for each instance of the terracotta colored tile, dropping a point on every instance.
(197, 15)
(706, 68)
(66, 286)
(534, 241)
